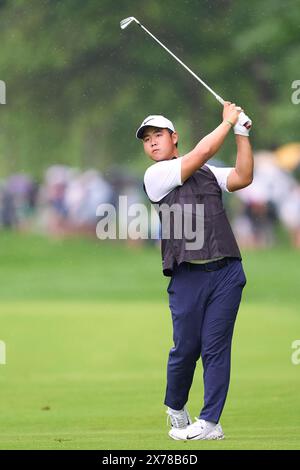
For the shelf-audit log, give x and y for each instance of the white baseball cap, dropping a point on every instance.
(154, 121)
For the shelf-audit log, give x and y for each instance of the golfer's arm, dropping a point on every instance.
(242, 175)
(204, 150)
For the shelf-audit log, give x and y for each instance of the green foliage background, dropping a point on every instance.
(78, 86)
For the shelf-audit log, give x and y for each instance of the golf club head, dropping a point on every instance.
(126, 22)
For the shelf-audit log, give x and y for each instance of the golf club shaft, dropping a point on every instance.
(124, 23)
(218, 98)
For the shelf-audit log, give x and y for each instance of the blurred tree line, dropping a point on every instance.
(78, 86)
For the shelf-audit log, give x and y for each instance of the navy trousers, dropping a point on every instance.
(204, 305)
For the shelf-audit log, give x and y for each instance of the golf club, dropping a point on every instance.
(127, 21)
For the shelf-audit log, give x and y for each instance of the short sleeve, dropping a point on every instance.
(221, 175)
(162, 177)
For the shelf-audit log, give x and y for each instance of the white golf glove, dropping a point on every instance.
(240, 128)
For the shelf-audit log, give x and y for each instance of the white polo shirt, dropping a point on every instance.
(162, 177)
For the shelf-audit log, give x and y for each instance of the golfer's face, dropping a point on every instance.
(159, 144)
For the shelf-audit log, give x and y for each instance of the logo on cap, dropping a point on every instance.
(156, 121)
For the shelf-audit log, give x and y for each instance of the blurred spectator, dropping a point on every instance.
(127, 185)
(289, 213)
(52, 197)
(18, 201)
(7, 211)
(83, 195)
(254, 226)
(71, 198)
(288, 159)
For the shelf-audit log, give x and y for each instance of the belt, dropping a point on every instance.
(212, 266)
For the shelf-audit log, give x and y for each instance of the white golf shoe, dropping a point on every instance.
(179, 419)
(199, 430)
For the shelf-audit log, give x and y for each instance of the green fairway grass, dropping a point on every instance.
(87, 330)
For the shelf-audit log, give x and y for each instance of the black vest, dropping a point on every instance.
(200, 188)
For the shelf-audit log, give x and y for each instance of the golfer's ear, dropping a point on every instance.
(174, 136)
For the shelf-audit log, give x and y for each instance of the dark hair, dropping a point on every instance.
(171, 132)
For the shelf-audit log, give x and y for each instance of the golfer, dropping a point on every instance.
(207, 280)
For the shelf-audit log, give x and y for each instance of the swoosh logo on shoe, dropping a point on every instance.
(193, 437)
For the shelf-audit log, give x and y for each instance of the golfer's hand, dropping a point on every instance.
(240, 128)
(231, 112)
